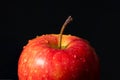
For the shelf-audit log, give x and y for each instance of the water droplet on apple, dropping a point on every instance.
(30, 77)
(29, 40)
(73, 75)
(83, 59)
(44, 75)
(56, 64)
(37, 36)
(53, 58)
(64, 63)
(75, 56)
(46, 71)
(24, 72)
(25, 60)
(35, 71)
(24, 47)
(46, 79)
(46, 41)
(73, 61)
(65, 68)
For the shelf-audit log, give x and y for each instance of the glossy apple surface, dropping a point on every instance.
(41, 59)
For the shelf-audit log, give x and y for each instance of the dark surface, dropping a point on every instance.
(97, 21)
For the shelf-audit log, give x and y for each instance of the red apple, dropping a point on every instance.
(58, 57)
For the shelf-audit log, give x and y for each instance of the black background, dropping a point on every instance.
(98, 21)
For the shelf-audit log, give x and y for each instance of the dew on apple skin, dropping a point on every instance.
(53, 58)
(25, 73)
(64, 62)
(83, 59)
(46, 71)
(24, 61)
(29, 78)
(56, 64)
(44, 75)
(29, 40)
(35, 71)
(30, 64)
(73, 61)
(74, 56)
(24, 47)
(46, 41)
(65, 68)
(73, 76)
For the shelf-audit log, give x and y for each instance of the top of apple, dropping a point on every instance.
(59, 41)
(52, 41)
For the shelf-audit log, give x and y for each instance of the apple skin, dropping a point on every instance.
(41, 59)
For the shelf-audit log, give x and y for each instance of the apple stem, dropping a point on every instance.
(68, 20)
